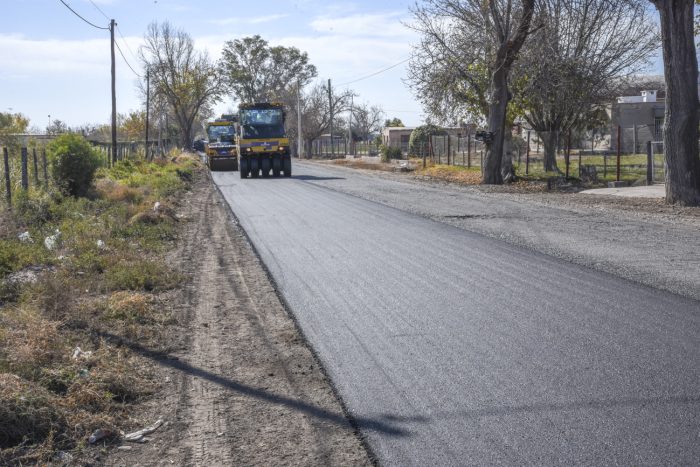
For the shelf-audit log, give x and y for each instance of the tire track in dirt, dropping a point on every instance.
(247, 390)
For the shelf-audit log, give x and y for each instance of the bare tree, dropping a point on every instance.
(366, 120)
(478, 42)
(681, 123)
(183, 77)
(316, 112)
(579, 62)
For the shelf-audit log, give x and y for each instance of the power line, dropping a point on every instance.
(126, 43)
(125, 60)
(376, 72)
(99, 9)
(76, 14)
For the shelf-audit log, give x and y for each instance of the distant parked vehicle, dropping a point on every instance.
(198, 144)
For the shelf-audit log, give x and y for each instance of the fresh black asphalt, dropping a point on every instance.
(458, 349)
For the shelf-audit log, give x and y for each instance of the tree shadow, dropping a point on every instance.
(313, 178)
(386, 424)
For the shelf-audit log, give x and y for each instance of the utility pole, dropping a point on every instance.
(114, 95)
(148, 95)
(299, 134)
(330, 103)
(352, 103)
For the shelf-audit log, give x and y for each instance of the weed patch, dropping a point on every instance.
(60, 379)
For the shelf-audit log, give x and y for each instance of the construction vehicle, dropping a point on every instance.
(263, 147)
(220, 148)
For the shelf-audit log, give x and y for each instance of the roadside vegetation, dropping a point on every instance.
(83, 266)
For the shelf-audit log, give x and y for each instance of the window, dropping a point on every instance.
(658, 128)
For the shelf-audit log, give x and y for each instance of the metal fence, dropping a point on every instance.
(647, 164)
(27, 167)
(340, 148)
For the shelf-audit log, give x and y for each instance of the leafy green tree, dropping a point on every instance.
(420, 137)
(73, 163)
(255, 71)
(393, 122)
(10, 124)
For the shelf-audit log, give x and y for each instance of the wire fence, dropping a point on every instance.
(27, 167)
(584, 163)
(340, 148)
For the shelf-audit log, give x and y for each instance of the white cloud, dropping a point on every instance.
(25, 56)
(244, 20)
(363, 24)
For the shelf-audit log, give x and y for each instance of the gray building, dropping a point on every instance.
(640, 119)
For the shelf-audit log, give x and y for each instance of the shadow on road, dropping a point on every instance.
(635, 403)
(312, 178)
(386, 424)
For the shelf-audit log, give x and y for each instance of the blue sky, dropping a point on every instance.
(55, 64)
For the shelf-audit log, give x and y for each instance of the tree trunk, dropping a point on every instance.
(682, 106)
(549, 141)
(507, 170)
(496, 124)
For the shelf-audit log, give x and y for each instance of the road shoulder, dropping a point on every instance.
(244, 388)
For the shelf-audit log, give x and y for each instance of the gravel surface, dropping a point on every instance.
(639, 239)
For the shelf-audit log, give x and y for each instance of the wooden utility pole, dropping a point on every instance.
(112, 24)
(148, 95)
(299, 134)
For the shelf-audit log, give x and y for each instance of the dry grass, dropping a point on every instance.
(105, 279)
(452, 173)
(118, 192)
(360, 164)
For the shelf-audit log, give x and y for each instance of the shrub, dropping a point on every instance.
(420, 137)
(389, 153)
(73, 163)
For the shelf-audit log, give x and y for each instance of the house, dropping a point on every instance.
(639, 118)
(397, 136)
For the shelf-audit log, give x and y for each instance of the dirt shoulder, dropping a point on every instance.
(242, 387)
(643, 240)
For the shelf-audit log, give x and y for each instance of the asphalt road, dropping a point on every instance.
(452, 348)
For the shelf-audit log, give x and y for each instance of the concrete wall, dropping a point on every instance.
(640, 122)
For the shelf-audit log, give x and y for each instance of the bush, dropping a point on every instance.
(389, 153)
(418, 141)
(73, 163)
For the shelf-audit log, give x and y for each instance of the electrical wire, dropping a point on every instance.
(99, 9)
(375, 73)
(76, 14)
(125, 60)
(126, 44)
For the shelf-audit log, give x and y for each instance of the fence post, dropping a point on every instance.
(469, 150)
(618, 153)
(448, 149)
(579, 163)
(36, 166)
(8, 186)
(46, 169)
(567, 154)
(527, 154)
(650, 164)
(25, 175)
(605, 165)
